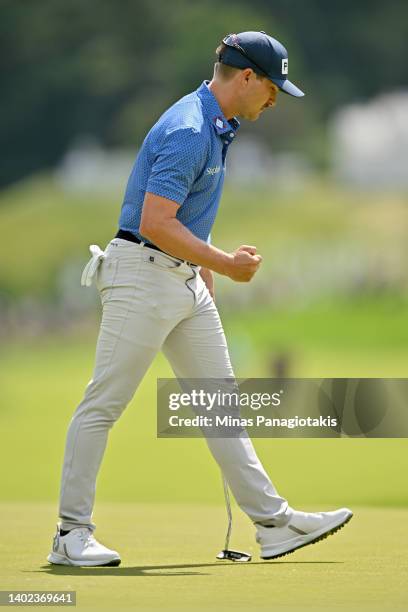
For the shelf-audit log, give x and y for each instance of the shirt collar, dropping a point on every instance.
(214, 113)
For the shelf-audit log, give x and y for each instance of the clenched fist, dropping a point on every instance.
(244, 263)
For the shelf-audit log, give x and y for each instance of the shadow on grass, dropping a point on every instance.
(155, 570)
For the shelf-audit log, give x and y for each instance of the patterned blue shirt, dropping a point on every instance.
(182, 158)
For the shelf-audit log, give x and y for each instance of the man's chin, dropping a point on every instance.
(252, 116)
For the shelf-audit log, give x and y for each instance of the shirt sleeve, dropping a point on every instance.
(177, 164)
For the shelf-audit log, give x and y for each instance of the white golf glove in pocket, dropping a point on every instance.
(92, 266)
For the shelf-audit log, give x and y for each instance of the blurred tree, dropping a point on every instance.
(109, 69)
(349, 49)
(66, 69)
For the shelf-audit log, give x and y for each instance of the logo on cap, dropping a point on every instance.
(285, 66)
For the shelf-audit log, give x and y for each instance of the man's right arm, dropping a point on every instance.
(160, 225)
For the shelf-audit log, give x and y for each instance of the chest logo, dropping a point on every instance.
(212, 171)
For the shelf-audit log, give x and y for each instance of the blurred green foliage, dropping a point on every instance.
(110, 69)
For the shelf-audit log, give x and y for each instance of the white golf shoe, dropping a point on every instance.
(79, 547)
(302, 529)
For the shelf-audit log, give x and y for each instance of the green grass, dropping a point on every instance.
(168, 561)
(366, 337)
(43, 382)
(56, 227)
(158, 500)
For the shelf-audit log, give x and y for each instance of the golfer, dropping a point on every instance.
(155, 280)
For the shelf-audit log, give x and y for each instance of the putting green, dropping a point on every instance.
(168, 561)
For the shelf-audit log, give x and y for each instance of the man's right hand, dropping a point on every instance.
(161, 227)
(243, 264)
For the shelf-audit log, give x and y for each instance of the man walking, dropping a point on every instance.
(156, 286)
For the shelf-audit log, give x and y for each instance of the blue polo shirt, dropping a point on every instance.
(182, 158)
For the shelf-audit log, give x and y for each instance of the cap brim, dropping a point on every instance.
(288, 87)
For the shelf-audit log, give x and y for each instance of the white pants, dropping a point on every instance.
(151, 302)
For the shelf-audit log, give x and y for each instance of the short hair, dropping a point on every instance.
(225, 72)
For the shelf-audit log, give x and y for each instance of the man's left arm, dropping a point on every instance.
(208, 277)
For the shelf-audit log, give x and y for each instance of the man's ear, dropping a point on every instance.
(246, 74)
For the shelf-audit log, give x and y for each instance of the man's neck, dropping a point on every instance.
(223, 98)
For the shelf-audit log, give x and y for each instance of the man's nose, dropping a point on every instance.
(272, 100)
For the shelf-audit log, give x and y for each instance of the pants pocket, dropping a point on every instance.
(105, 278)
(160, 260)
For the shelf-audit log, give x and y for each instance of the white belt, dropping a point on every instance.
(92, 265)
